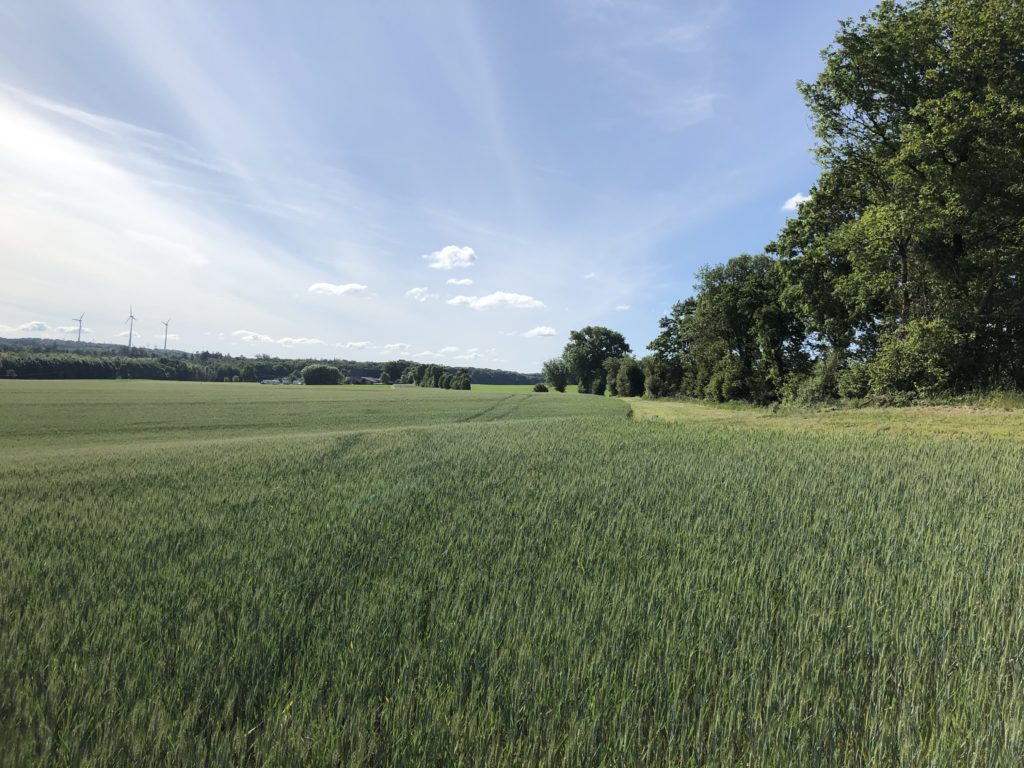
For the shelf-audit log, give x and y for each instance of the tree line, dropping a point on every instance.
(431, 376)
(40, 361)
(436, 377)
(900, 277)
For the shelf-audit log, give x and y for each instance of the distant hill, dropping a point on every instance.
(62, 359)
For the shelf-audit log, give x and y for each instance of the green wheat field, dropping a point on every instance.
(216, 574)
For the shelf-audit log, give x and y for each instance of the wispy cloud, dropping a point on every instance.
(451, 257)
(540, 330)
(460, 281)
(641, 45)
(622, 307)
(497, 299)
(340, 289)
(421, 294)
(66, 329)
(677, 108)
(457, 354)
(354, 344)
(793, 204)
(590, 275)
(170, 249)
(679, 38)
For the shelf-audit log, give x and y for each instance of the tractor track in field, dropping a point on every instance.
(489, 409)
(103, 450)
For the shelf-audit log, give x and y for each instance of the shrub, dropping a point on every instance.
(629, 379)
(611, 368)
(658, 376)
(726, 381)
(918, 358)
(318, 373)
(539, 388)
(555, 374)
(853, 382)
(819, 386)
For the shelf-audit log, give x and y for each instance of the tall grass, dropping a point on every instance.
(446, 578)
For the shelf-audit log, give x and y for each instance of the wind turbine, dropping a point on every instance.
(79, 321)
(130, 322)
(166, 323)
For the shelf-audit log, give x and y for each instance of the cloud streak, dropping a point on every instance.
(340, 289)
(497, 299)
(253, 337)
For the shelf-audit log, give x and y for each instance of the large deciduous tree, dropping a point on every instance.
(915, 231)
(734, 340)
(586, 352)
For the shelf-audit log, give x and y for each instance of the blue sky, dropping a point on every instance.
(451, 182)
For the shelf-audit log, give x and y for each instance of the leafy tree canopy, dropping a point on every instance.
(586, 352)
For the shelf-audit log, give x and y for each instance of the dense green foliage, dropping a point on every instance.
(50, 359)
(319, 373)
(226, 575)
(436, 377)
(901, 275)
(585, 355)
(538, 387)
(555, 374)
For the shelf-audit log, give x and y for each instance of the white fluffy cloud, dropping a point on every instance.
(289, 341)
(354, 344)
(540, 330)
(339, 289)
(36, 326)
(461, 281)
(451, 256)
(793, 203)
(497, 299)
(252, 337)
(420, 294)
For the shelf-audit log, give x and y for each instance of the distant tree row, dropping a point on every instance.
(40, 360)
(436, 377)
